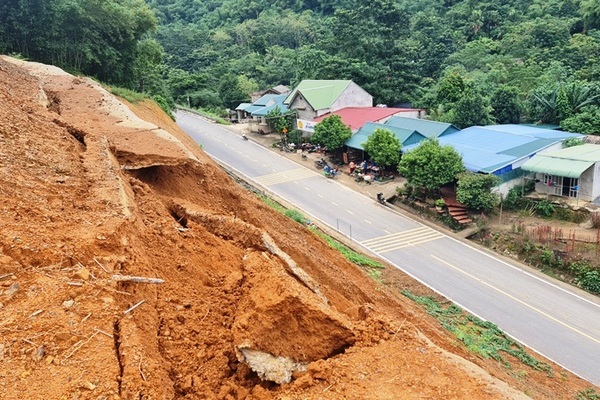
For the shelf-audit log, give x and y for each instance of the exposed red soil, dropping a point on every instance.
(88, 191)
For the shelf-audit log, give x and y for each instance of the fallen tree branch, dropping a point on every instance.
(137, 279)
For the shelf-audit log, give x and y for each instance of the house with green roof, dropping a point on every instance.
(430, 129)
(573, 172)
(313, 98)
(405, 136)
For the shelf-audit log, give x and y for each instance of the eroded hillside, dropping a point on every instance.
(92, 194)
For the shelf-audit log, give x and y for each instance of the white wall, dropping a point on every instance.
(352, 96)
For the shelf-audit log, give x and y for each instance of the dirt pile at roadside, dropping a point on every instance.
(90, 192)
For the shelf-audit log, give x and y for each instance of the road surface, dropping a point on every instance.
(563, 324)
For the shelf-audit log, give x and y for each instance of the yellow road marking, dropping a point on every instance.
(519, 301)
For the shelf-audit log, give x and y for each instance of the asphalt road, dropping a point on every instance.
(559, 322)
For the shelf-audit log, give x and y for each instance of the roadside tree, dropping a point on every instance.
(331, 133)
(430, 165)
(475, 191)
(383, 147)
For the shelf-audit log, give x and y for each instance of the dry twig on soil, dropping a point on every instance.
(137, 279)
(130, 309)
(6, 276)
(77, 346)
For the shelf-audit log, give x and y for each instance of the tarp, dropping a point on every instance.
(556, 166)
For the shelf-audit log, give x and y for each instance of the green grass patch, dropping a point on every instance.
(350, 254)
(481, 337)
(272, 203)
(206, 113)
(295, 215)
(127, 94)
(588, 394)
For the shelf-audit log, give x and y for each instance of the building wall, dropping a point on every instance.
(352, 96)
(588, 187)
(303, 109)
(595, 184)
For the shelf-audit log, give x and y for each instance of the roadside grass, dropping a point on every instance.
(588, 394)
(349, 254)
(127, 94)
(374, 267)
(205, 113)
(481, 337)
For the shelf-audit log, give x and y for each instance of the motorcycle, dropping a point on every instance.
(321, 163)
(330, 172)
(244, 137)
(380, 198)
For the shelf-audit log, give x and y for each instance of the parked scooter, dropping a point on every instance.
(381, 199)
(244, 136)
(321, 163)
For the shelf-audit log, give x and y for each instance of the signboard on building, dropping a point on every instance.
(306, 125)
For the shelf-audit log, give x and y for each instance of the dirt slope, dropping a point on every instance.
(89, 190)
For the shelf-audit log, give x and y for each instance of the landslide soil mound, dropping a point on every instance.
(253, 305)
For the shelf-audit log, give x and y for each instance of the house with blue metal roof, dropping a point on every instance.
(502, 149)
(427, 128)
(256, 112)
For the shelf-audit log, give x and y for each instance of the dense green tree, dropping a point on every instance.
(331, 133)
(230, 91)
(506, 106)
(586, 122)
(472, 109)
(102, 38)
(430, 165)
(383, 147)
(475, 191)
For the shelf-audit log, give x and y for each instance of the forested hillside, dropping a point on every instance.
(468, 62)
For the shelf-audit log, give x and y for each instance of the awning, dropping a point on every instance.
(556, 166)
(357, 140)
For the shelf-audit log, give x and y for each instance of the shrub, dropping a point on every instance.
(295, 136)
(295, 215)
(589, 280)
(544, 208)
(164, 105)
(514, 199)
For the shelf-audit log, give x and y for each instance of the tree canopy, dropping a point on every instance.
(108, 39)
(466, 62)
(331, 132)
(430, 165)
(475, 191)
(383, 147)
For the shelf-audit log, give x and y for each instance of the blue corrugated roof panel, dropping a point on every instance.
(252, 109)
(531, 131)
(264, 100)
(243, 106)
(357, 140)
(430, 129)
(265, 110)
(489, 150)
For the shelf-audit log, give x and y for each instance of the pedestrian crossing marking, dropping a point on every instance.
(400, 240)
(285, 176)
